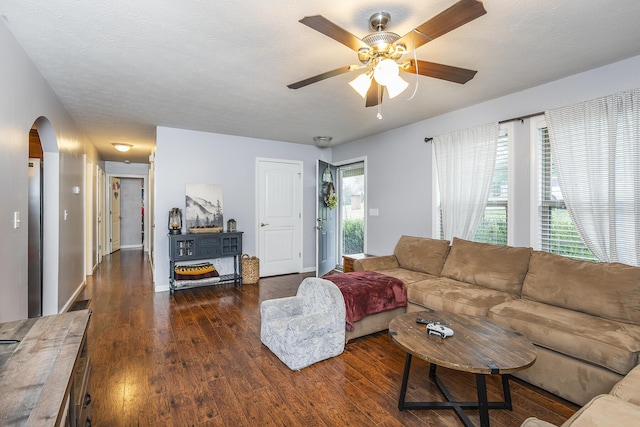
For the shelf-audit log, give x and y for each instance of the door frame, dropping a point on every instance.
(107, 198)
(258, 189)
(100, 215)
(89, 198)
(362, 159)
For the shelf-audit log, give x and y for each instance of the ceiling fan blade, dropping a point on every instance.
(440, 71)
(320, 77)
(457, 15)
(373, 96)
(329, 29)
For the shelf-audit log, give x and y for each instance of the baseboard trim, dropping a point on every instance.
(70, 302)
(131, 246)
(164, 288)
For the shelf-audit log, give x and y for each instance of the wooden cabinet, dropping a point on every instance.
(348, 260)
(45, 373)
(80, 396)
(194, 247)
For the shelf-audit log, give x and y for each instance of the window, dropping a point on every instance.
(493, 226)
(352, 203)
(556, 232)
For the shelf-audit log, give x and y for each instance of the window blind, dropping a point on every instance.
(556, 231)
(493, 225)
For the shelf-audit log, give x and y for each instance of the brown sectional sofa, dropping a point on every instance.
(583, 317)
(621, 407)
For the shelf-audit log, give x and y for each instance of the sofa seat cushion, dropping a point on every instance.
(605, 410)
(628, 388)
(609, 290)
(498, 267)
(607, 343)
(446, 294)
(407, 276)
(421, 254)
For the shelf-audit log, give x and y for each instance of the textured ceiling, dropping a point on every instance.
(123, 68)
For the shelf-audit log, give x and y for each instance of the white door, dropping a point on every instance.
(100, 222)
(279, 216)
(89, 241)
(326, 220)
(115, 214)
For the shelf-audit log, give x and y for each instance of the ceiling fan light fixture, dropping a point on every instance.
(122, 147)
(386, 71)
(361, 84)
(396, 86)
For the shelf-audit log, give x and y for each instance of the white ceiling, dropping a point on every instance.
(122, 68)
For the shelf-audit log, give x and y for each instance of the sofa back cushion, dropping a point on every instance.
(609, 290)
(502, 268)
(421, 254)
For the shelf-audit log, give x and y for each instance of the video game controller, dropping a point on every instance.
(438, 329)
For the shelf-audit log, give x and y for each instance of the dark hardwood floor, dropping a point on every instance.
(195, 358)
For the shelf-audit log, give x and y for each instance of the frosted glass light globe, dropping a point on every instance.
(385, 71)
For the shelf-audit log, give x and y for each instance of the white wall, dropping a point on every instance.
(400, 166)
(126, 169)
(184, 156)
(26, 96)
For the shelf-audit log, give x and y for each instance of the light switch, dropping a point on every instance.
(66, 214)
(16, 220)
(373, 212)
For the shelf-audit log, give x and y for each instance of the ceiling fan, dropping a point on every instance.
(379, 53)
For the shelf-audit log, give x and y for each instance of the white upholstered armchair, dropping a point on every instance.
(306, 328)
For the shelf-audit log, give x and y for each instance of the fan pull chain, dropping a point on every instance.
(415, 61)
(379, 116)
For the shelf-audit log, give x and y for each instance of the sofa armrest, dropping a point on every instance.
(281, 307)
(377, 263)
(534, 422)
(628, 388)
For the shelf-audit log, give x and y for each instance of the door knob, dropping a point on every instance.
(262, 224)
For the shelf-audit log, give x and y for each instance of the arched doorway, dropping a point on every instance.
(34, 221)
(50, 193)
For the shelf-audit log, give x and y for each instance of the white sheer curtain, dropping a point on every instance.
(596, 145)
(465, 160)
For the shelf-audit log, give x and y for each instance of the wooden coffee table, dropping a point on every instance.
(478, 346)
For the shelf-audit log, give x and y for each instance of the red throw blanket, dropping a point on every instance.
(368, 292)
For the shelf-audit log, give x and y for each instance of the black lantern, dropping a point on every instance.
(231, 225)
(175, 221)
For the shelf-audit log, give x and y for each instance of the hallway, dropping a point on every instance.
(196, 359)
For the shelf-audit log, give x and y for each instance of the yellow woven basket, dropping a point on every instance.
(250, 269)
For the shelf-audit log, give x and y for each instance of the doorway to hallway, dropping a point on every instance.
(34, 273)
(127, 225)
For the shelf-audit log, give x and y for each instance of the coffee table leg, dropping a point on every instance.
(506, 390)
(405, 379)
(483, 405)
